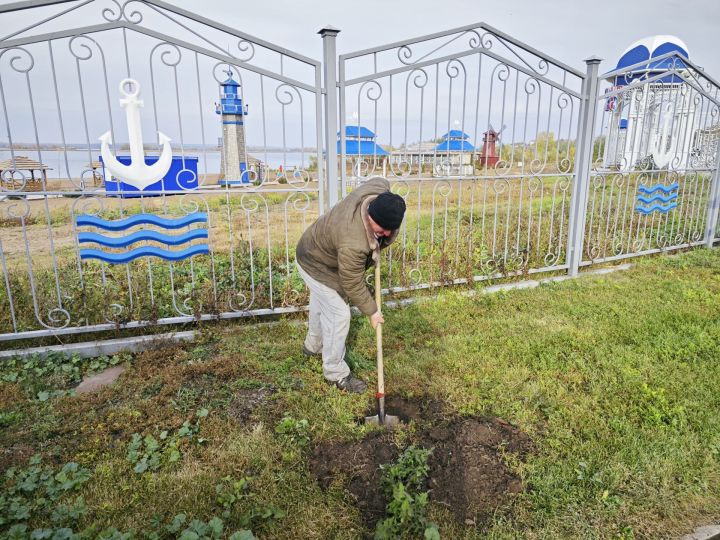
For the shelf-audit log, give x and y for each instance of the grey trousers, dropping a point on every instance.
(328, 327)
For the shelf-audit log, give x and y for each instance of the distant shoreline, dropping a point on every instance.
(77, 147)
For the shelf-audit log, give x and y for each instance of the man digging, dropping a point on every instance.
(332, 257)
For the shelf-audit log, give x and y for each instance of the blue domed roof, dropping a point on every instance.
(652, 47)
(360, 141)
(455, 134)
(455, 145)
(357, 132)
(356, 147)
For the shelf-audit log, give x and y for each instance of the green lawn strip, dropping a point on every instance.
(614, 377)
(617, 378)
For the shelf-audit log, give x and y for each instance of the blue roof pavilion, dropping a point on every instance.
(360, 141)
(455, 141)
(358, 132)
(456, 134)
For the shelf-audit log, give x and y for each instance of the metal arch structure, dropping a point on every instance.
(471, 215)
(57, 92)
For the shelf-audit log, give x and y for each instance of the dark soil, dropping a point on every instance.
(357, 465)
(421, 411)
(467, 472)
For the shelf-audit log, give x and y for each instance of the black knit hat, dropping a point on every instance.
(387, 210)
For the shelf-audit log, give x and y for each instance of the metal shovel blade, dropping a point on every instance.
(389, 421)
(381, 418)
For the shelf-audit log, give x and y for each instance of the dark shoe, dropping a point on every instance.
(352, 384)
(307, 352)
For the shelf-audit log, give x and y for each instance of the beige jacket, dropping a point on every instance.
(340, 246)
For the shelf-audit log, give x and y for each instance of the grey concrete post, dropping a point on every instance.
(583, 165)
(713, 208)
(331, 111)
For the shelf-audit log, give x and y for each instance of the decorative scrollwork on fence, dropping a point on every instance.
(13, 180)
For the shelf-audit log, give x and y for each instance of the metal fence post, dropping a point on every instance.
(331, 111)
(583, 164)
(713, 209)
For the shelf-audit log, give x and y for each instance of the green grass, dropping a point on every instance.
(615, 378)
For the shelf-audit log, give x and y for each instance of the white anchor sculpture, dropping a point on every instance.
(662, 147)
(138, 173)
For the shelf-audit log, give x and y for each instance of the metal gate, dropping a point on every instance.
(654, 183)
(480, 131)
(199, 245)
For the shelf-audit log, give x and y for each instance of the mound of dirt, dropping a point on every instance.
(467, 472)
(423, 411)
(357, 465)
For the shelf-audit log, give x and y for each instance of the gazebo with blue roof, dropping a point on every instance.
(644, 50)
(359, 144)
(360, 141)
(456, 149)
(455, 141)
(638, 131)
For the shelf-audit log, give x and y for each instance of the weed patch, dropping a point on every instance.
(53, 375)
(404, 486)
(149, 453)
(38, 493)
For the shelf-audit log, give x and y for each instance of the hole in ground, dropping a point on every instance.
(408, 409)
(467, 474)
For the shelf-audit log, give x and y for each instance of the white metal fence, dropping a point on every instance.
(510, 162)
(59, 94)
(654, 178)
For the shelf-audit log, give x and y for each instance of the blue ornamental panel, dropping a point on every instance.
(124, 225)
(657, 198)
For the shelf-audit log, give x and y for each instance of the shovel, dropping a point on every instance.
(380, 418)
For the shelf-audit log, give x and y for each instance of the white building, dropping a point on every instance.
(651, 125)
(453, 156)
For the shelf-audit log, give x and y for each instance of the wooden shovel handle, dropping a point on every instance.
(378, 333)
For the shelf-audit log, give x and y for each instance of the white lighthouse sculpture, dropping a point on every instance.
(234, 152)
(650, 125)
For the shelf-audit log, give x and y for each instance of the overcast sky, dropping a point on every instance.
(569, 30)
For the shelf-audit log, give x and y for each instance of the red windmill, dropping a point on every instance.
(488, 155)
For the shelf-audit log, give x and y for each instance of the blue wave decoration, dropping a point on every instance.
(145, 251)
(125, 241)
(655, 208)
(650, 200)
(658, 187)
(141, 219)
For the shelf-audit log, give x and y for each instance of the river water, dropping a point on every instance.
(208, 161)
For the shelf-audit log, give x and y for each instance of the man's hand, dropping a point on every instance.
(376, 318)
